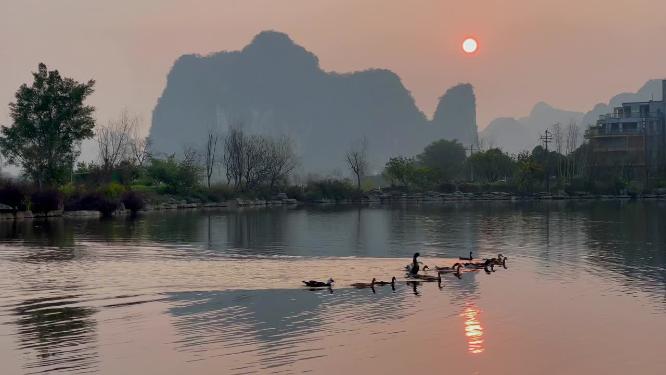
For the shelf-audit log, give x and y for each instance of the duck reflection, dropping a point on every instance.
(279, 326)
(473, 329)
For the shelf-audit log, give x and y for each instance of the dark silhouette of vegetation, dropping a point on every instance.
(49, 120)
(13, 195)
(133, 201)
(445, 159)
(253, 162)
(92, 201)
(44, 201)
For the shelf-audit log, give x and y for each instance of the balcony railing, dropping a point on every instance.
(632, 115)
(600, 131)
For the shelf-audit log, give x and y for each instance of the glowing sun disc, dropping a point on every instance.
(470, 45)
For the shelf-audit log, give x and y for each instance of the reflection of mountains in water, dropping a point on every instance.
(276, 323)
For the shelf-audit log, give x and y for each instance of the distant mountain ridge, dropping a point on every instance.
(274, 86)
(515, 135)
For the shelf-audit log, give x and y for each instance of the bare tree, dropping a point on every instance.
(113, 140)
(233, 158)
(255, 157)
(251, 161)
(139, 148)
(209, 154)
(357, 160)
(191, 158)
(573, 134)
(281, 160)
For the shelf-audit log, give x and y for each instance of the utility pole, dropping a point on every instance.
(547, 138)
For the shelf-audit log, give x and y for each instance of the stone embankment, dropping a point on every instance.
(8, 213)
(375, 197)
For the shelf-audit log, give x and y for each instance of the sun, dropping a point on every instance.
(470, 45)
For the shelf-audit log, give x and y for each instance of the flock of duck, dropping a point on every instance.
(413, 276)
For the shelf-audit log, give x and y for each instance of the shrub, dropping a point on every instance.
(330, 189)
(113, 190)
(13, 195)
(469, 188)
(94, 201)
(447, 187)
(45, 201)
(295, 192)
(219, 193)
(133, 201)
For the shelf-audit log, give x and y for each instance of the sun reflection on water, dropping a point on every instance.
(473, 329)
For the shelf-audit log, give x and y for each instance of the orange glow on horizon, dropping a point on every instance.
(473, 330)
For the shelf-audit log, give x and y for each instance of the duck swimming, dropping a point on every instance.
(430, 278)
(464, 258)
(413, 268)
(479, 265)
(382, 283)
(454, 268)
(500, 260)
(364, 285)
(318, 284)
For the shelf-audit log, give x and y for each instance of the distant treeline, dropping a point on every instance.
(50, 120)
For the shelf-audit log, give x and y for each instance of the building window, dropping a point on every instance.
(627, 111)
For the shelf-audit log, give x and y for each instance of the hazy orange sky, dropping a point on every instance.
(569, 53)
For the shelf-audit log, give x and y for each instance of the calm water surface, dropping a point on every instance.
(218, 292)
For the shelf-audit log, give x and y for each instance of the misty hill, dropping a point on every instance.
(273, 86)
(515, 135)
(456, 115)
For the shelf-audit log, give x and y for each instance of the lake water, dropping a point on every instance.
(218, 292)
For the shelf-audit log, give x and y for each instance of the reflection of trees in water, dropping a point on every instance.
(62, 337)
(257, 230)
(281, 326)
(41, 232)
(629, 238)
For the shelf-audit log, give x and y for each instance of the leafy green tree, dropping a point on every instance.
(424, 178)
(491, 165)
(530, 171)
(177, 176)
(49, 122)
(400, 169)
(444, 157)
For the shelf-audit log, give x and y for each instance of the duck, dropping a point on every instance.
(413, 268)
(382, 283)
(465, 258)
(500, 260)
(454, 268)
(319, 284)
(479, 265)
(430, 278)
(364, 285)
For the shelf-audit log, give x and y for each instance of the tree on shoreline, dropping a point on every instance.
(114, 141)
(357, 160)
(209, 154)
(400, 169)
(49, 121)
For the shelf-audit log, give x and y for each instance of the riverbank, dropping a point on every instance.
(385, 198)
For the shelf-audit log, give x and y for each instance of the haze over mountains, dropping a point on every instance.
(273, 86)
(515, 135)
